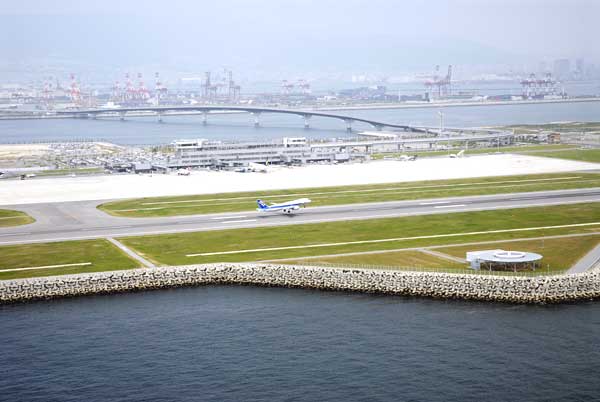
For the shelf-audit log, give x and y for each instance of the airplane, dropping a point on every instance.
(458, 155)
(285, 207)
(27, 176)
(257, 167)
(408, 158)
(183, 172)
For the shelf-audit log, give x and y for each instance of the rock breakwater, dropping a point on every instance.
(543, 289)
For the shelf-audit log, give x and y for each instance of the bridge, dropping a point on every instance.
(256, 111)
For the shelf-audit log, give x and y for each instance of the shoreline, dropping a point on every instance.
(554, 289)
(457, 104)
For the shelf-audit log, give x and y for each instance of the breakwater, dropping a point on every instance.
(546, 289)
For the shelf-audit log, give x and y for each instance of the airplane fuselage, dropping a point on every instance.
(286, 207)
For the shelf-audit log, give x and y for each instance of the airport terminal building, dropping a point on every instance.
(218, 154)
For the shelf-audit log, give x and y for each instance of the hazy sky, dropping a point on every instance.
(303, 34)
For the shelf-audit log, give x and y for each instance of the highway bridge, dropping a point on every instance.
(256, 111)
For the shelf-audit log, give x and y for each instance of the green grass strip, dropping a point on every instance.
(14, 218)
(363, 235)
(102, 255)
(244, 201)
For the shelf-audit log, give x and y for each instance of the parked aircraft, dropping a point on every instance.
(408, 158)
(285, 207)
(183, 172)
(257, 167)
(458, 155)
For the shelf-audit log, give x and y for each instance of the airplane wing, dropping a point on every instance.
(300, 201)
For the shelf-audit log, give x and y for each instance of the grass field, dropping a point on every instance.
(475, 151)
(102, 255)
(584, 155)
(64, 172)
(559, 255)
(245, 201)
(14, 218)
(298, 241)
(391, 259)
(560, 126)
(309, 240)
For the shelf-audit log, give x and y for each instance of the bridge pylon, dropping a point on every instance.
(348, 124)
(256, 119)
(307, 121)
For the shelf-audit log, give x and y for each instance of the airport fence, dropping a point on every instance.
(461, 271)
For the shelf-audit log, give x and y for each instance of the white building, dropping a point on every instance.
(205, 153)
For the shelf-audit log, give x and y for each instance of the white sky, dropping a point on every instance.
(324, 31)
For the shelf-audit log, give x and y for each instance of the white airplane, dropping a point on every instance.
(183, 172)
(408, 158)
(257, 167)
(458, 155)
(285, 207)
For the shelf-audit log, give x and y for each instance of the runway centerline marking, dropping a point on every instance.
(435, 202)
(451, 206)
(228, 217)
(241, 221)
(15, 234)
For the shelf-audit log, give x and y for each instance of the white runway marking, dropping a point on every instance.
(228, 217)
(240, 221)
(15, 234)
(46, 267)
(451, 206)
(434, 203)
(391, 239)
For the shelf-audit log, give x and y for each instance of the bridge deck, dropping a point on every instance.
(248, 109)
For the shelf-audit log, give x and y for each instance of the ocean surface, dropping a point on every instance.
(268, 344)
(239, 127)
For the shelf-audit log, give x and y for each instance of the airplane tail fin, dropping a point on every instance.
(261, 204)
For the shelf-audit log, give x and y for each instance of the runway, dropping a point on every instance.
(81, 220)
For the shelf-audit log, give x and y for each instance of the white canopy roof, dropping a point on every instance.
(503, 256)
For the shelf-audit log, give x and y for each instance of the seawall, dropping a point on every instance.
(543, 289)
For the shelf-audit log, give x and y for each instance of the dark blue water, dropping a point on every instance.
(240, 126)
(255, 344)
